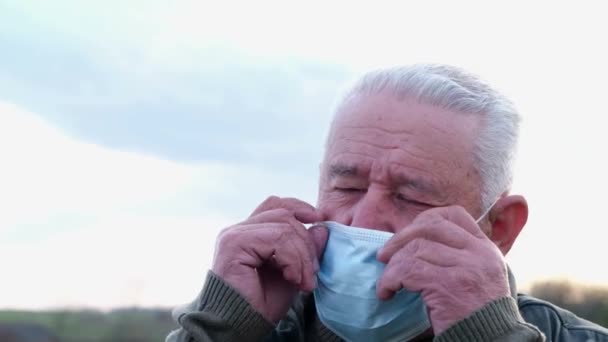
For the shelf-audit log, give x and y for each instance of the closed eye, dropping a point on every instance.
(351, 190)
(410, 201)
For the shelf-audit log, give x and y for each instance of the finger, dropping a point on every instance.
(402, 276)
(286, 216)
(459, 216)
(430, 251)
(258, 240)
(298, 238)
(435, 229)
(303, 211)
(275, 243)
(418, 265)
(310, 264)
(296, 262)
(272, 215)
(287, 256)
(319, 235)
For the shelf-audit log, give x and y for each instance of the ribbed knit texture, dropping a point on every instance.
(228, 313)
(487, 324)
(322, 333)
(224, 315)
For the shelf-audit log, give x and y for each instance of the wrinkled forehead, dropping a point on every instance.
(406, 120)
(404, 133)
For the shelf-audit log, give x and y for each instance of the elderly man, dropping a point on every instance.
(408, 236)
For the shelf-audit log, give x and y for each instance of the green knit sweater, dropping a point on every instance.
(220, 313)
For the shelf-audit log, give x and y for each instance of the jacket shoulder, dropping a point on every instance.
(557, 323)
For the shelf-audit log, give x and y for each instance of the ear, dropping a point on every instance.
(508, 218)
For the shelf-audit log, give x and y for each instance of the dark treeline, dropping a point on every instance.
(121, 325)
(589, 302)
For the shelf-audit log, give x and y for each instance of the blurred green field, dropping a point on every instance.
(124, 325)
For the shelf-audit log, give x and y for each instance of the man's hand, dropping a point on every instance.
(271, 255)
(446, 256)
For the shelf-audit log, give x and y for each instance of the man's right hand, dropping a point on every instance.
(271, 255)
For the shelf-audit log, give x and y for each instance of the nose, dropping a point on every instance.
(373, 211)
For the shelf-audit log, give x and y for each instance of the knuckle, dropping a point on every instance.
(394, 270)
(269, 203)
(457, 214)
(282, 212)
(223, 232)
(414, 247)
(424, 216)
(418, 271)
(393, 279)
(458, 210)
(308, 263)
(285, 235)
(429, 217)
(436, 220)
(227, 236)
(231, 266)
(467, 281)
(416, 266)
(271, 200)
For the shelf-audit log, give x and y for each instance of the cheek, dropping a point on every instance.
(335, 208)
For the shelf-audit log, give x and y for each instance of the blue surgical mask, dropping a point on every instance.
(346, 299)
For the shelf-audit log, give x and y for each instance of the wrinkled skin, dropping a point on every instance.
(271, 255)
(393, 165)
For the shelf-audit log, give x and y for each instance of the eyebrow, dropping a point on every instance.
(417, 184)
(422, 186)
(343, 170)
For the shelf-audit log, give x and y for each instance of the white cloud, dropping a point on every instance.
(151, 226)
(44, 172)
(121, 260)
(132, 250)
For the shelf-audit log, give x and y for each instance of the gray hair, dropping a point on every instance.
(456, 90)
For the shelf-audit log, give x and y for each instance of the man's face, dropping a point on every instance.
(387, 160)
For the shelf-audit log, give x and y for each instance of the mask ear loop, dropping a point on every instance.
(487, 211)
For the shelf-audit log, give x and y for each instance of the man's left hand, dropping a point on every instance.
(446, 256)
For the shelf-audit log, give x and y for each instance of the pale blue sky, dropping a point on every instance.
(132, 132)
(101, 87)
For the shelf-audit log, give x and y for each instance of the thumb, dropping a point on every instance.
(319, 235)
